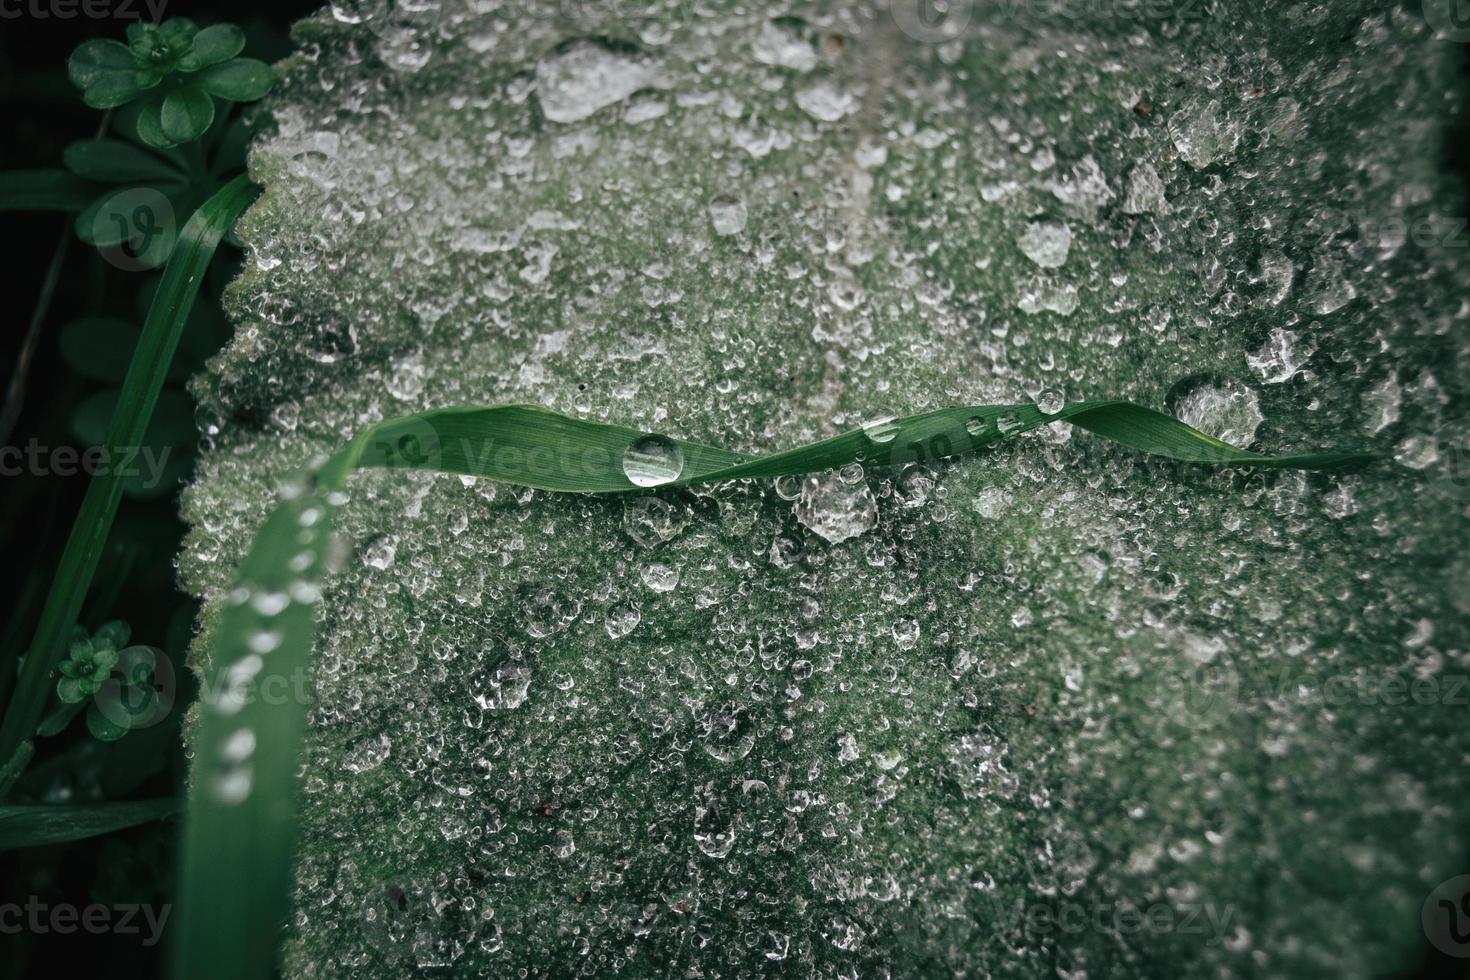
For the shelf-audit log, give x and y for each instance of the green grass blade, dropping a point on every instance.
(45, 190)
(146, 372)
(240, 827)
(39, 824)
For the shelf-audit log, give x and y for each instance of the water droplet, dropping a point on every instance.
(881, 430)
(368, 754)
(505, 688)
(1046, 243)
(622, 619)
(728, 215)
(906, 633)
(1051, 401)
(652, 461)
(729, 733)
(824, 100)
(714, 833)
(660, 577)
(650, 521)
(834, 509)
(585, 76)
(1225, 410)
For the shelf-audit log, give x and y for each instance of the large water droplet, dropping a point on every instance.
(834, 509)
(881, 430)
(587, 76)
(652, 460)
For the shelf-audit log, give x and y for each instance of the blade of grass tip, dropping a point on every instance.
(35, 825)
(240, 828)
(146, 372)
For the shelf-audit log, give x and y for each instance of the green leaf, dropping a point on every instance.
(140, 392)
(103, 728)
(55, 723)
(97, 59)
(150, 125)
(241, 80)
(178, 30)
(186, 114)
(114, 633)
(11, 770)
(140, 217)
(111, 91)
(44, 190)
(213, 45)
(137, 664)
(34, 825)
(98, 347)
(118, 161)
(69, 690)
(240, 895)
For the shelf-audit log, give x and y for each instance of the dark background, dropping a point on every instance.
(40, 113)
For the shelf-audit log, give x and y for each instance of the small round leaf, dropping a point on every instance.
(103, 728)
(214, 45)
(241, 80)
(98, 57)
(186, 114)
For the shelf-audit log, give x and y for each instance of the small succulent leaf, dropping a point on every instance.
(240, 80)
(187, 113)
(113, 90)
(103, 728)
(69, 690)
(98, 57)
(114, 633)
(58, 719)
(150, 125)
(178, 30)
(137, 665)
(104, 660)
(214, 45)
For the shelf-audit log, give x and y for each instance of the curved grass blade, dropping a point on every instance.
(240, 829)
(40, 824)
(167, 315)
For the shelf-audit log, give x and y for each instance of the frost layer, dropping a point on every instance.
(1054, 710)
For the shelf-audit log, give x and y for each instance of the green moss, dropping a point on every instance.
(1108, 703)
